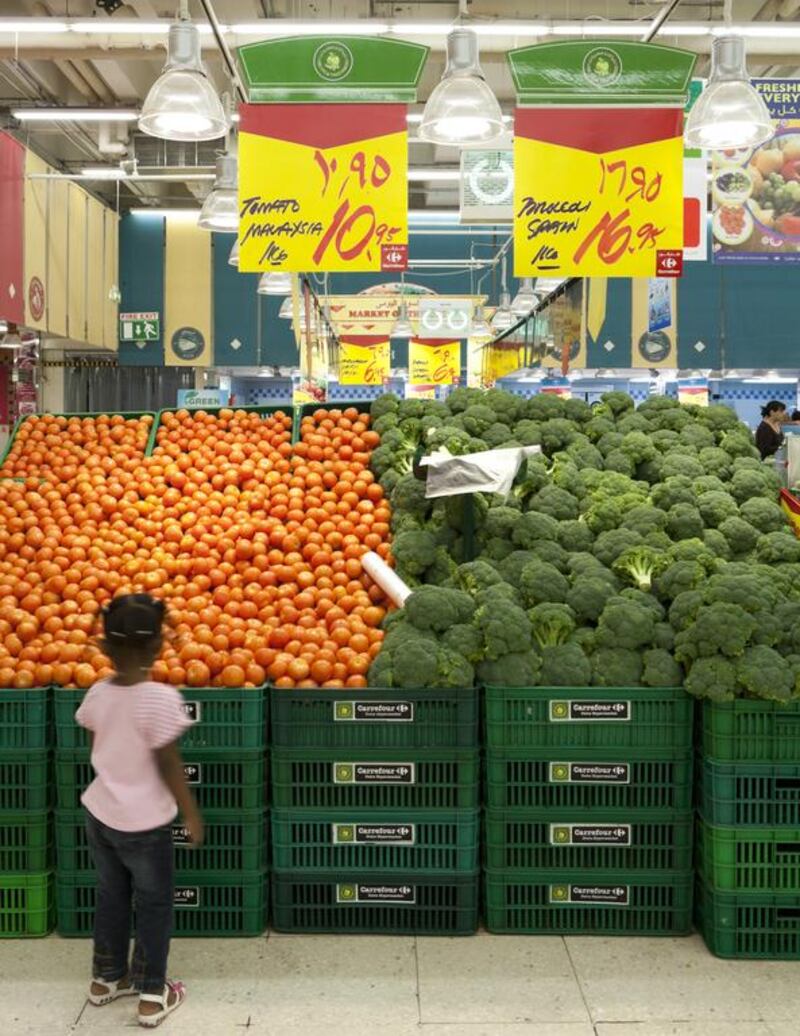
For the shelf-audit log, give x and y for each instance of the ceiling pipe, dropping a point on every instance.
(224, 49)
(660, 19)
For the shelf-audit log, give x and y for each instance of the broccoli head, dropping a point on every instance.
(556, 502)
(385, 404)
(565, 665)
(474, 576)
(626, 624)
(616, 667)
(452, 669)
(677, 489)
(609, 545)
(543, 407)
(557, 434)
(661, 669)
(540, 581)
(713, 677)
(505, 628)
(764, 515)
(413, 550)
(588, 596)
(575, 535)
(517, 669)
(438, 608)
(717, 628)
(741, 537)
(552, 624)
(616, 403)
(778, 548)
(715, 507)
(764, 673)
(684, 522)
(465, 640)
(679, 463)
(415, 665)
(460, 398)
(716, 462)
(409, 496)
(644, 519)
(533, 527)
(754, 482)
(679, 577)
(528, 432)
(639, 565)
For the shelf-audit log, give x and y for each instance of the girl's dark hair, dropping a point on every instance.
(771, 407)
(796, 415)
(133, 619)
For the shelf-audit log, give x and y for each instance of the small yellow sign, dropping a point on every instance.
(363, 361)
(433, 362)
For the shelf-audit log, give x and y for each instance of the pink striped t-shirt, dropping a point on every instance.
(129, 724)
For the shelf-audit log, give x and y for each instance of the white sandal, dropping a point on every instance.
(150, 1021)
(113, 991)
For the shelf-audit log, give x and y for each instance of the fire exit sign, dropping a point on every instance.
(139, 327)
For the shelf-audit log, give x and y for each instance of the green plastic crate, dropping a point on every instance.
(263, 411)
(745, 731)
(422, 842)
(410, 778)
(307, 409)
(752, 795)
(26, 842)
(588, 902)
(422, 718)
(219, 905)
(225, 718)
(749, 925)
(26, 905)
(749, 859)
(223, 779)
(543, 718)
(233, 842)
(379, 904)
(25, 719)
(524, 840)
(129, 416)
(25, 785)
(623, 784)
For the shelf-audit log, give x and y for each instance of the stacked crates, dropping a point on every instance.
(221, 887)
(375, 826)
(589, 810)
(26, 880)
(748, 835)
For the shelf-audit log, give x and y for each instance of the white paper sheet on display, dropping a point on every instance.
(491, 471)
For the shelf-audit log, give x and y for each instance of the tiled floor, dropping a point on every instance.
(396, 986)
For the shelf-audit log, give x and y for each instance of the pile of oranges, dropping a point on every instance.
(254, 544)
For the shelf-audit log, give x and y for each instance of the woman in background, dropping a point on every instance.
(769, 436)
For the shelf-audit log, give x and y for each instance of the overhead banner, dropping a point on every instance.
(598, 157)
(375, 313)
(597, 193)
(433, 362)
(364, 360)
(322, 187)
(756, 193)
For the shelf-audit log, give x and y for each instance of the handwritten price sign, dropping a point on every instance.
(598, 192)
(363, 360)
(322, 187)
(432, 362)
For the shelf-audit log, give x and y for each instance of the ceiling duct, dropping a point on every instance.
(154, 153)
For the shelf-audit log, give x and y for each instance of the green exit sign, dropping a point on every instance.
(139, 327)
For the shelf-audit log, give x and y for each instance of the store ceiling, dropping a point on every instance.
(115, 66)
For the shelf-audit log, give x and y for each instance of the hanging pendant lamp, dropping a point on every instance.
(275, 284)
(220, 210)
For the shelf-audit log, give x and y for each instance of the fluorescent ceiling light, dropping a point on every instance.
(106, 27)
(103, 172)
(462, 108)
(188, 214)
(75, 114)
(774, 30)
(497, 28)
(426, 173)
(598, 28)
(282, 27)
(19, 26)
(182, 104)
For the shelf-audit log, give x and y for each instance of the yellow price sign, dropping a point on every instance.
(363, 360)
(433, 362)
(323, 187)
(597, 192)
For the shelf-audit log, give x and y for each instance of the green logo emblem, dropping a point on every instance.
(559, 772)
(559, 709)
(345, 833)
(332, 61)
(561, 835)
(602, 66)
(344, 710)
(559, 893)
(344, 773)
(347, 893)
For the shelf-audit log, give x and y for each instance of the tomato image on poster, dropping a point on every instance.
(322, 187)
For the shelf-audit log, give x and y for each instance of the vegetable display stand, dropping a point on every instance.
(233, 842)
(375, 778)
(569, 780)
(740, 925)
(129, 416)
(654, 720)
(745, 731)
(261, 411)
(224, 718)
(309, 409)
(519, 840)
(749, 859)
(25, 719)
(376, 903)
(376, 718)
(26, 905)
(757, 795)
(421, 842)
(221, 779)
(216, 905)
(587, 902)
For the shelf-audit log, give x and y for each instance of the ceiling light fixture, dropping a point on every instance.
(11, 339)
(220, 210)
(402, 326)
(480, 325)
(525, 299)
(277, 283)
(104, 172)
(182, 103)
(233, 257)
(462, 108)
(729, 113)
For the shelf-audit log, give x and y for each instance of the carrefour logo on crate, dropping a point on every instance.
(602, 66)
(333, 61)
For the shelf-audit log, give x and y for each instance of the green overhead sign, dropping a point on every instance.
(334, 69)
(601, 71)
(139, 327)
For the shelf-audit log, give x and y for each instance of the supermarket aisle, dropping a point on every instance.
(482, 986)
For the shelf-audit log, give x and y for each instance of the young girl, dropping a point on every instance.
(134, 726)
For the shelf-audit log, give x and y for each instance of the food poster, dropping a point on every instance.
(654, 322)
(322, 187)
(556, 387)
(433, 362)
(756, 193)
(364, 360)
(598, 192)
(693, 390)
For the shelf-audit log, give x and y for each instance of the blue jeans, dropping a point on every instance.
(132, 865)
